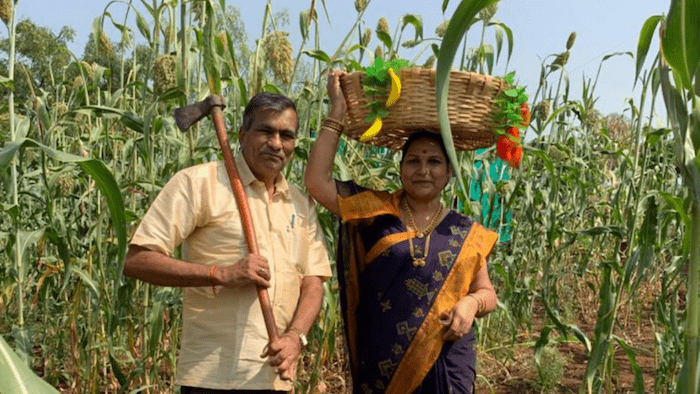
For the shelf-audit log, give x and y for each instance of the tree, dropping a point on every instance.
(41, 57)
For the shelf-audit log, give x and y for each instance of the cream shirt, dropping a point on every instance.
(224, 334)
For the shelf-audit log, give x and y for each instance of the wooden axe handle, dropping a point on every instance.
(242, 202)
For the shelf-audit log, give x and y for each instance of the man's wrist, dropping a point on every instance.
(300, 334)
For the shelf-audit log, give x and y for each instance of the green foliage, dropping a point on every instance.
(597, 208)
(509, 104)
(17, 378)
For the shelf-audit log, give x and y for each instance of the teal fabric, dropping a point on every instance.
(492, 217)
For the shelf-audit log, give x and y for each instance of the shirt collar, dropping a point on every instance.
(247, 177)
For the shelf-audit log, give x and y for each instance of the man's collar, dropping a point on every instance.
(247, 177)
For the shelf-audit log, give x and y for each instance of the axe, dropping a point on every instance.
(185, 117)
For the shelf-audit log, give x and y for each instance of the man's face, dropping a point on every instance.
(269, 142)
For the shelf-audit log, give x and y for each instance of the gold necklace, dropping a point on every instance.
(412, 222)
(420, 262)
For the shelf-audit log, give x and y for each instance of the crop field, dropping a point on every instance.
(598, 265)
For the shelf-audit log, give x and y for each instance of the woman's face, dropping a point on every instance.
(425, 170)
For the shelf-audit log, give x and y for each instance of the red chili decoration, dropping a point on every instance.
(525, 113)
(508, 150)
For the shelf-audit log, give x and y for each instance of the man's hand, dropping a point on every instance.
(252, 269)
(283, 354)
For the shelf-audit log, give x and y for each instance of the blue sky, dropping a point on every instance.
(540, 28)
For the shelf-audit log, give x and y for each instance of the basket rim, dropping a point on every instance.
(470, 108)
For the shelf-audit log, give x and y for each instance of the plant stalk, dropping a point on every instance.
(693, 304)
(14, 171)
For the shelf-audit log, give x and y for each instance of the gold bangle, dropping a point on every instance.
(334, 121)
(336, 132)
(479, 303)
(333, 124)
(211, 279)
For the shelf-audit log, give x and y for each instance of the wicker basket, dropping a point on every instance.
(470, 102)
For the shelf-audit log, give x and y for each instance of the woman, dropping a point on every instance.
(413, 274)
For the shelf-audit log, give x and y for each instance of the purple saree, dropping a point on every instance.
(391, 307)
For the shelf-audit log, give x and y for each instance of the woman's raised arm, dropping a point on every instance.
(319, 169)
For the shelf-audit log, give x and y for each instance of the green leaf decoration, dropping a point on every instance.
(377, 82)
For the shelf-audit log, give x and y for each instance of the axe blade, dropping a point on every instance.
(185, 117)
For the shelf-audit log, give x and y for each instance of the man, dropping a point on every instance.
(223, 331)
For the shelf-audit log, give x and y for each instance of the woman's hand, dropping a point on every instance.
(336, 96)
(460, 319)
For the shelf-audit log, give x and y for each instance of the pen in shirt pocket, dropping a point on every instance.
(293, 217)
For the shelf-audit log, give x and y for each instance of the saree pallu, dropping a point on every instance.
(391, 307)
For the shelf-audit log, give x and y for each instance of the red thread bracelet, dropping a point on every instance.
(211, 278)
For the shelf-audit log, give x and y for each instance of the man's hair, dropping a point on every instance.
(266, 101)
(420, 134)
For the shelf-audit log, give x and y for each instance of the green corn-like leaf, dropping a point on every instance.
(684, 378)
(6, 82)
(644, 42)
(318, 55)
(244, 94)
(416, 21)
(445, 3)
(459, 24)
(128, 119)
(677, 205)
(24, 241)
(304, 23)
(88, 281)
(502, 28)
(212, 68)
(681, 40)
(542, 342)
(601, 344)
(143, 26)
(638, 375)
(118, 374)
(16, 377)
(385, 39)
(675, 105)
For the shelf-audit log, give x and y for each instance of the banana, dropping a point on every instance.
(372, 131)
(395, 89)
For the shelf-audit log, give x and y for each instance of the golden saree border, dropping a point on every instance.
(387, 242)
(427, 342)
(368, 204)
